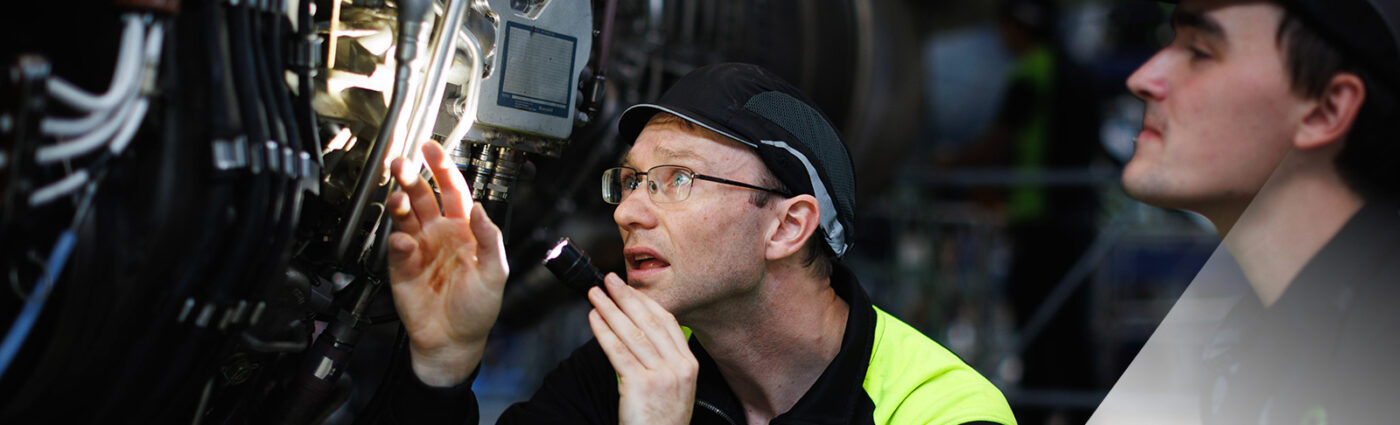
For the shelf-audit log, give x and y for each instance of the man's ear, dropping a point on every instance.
(798, 217)
(1332, 113)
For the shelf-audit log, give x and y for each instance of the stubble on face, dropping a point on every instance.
(712, 240)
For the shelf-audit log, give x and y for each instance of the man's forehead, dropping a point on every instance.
(1199, 16)
(1207, 14)
(663, 154)
(674, 145)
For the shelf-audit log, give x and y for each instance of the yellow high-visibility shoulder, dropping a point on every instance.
(914, 380)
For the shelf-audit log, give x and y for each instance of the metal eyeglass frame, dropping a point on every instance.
(654, 188)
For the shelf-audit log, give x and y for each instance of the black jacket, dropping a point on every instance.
(1325, 351)
(918, 381)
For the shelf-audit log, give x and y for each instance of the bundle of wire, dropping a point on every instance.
(110, 120)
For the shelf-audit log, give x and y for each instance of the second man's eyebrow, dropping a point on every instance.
(1198, 21)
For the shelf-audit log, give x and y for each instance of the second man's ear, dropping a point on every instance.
(1332, 113)
(798, 218)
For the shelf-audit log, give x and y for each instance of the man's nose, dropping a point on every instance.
(1149, 82)
(635, 210)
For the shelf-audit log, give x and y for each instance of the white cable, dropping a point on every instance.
(124, 77)
(82, 144)
(154, 42)
(58, 189)
(70, 127)
(133, 122)
(125, 84)
(122, 123)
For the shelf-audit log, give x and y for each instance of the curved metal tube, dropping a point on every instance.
(429, 99)
(468, 118)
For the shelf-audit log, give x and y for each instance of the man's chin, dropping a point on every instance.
(1145, 188)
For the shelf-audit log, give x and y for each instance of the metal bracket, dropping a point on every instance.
(230, 155)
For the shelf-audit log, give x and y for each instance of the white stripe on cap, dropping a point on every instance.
(835, 233)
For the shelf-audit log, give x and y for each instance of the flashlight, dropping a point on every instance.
(573, 267)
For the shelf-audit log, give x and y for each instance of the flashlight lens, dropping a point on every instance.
(558, 249)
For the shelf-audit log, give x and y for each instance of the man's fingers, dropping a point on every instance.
(657, 328)
(673, 327)
(490, 246)
(402, 213)
(618, 354)
(403, 257)
(633, 337)
(420, 196)
(456, 195)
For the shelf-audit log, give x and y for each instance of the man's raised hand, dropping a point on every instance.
(447, 268)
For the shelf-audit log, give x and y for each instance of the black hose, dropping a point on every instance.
(257, 41)
(306, 91)
(286, 201)
(161, 340)
(273, 28)
(250, 106)
(374, 165)
(255, 204)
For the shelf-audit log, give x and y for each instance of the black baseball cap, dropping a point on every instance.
(795, 140)
(1365, 30)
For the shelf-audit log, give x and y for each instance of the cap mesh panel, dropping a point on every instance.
(817, 136)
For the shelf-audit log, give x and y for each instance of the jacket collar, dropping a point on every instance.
(835, 397)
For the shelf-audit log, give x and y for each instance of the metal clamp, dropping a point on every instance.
(230, 154)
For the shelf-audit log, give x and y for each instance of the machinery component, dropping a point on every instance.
(205, 269)
(536, 53)
(409, 23)
(493, 172)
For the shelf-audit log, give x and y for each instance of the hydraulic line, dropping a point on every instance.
(429, 100)
(293, 149)
(250, 107)
(311, 140)
(254, 207)
(467, 117)
(255, 18)
(411, 14)
(374, 165)
(258, 271)
(277, 68)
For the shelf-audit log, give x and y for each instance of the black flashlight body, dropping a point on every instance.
(573, 267)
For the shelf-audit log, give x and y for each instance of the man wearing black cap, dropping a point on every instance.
(1277, 121)
(734, 204)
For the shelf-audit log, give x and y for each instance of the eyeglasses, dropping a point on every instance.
(665, 183)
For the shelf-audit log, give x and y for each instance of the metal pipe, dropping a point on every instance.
(467, 117)
(429, 99)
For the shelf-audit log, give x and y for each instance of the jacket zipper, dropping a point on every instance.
(715, 410)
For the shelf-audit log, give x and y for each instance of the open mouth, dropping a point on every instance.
(644, 260)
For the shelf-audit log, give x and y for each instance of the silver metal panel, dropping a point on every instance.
(535, 61)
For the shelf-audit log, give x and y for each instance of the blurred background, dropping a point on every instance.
(988, 137)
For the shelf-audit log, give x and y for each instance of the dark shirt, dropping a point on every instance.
(1325, 351)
